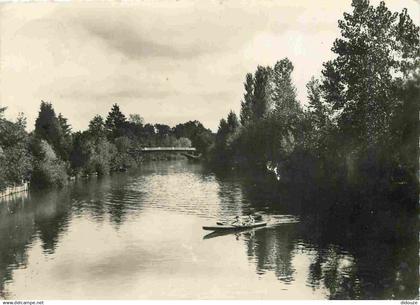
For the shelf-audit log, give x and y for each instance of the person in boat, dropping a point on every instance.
(250, 220)
(247, 221)
(237, 221)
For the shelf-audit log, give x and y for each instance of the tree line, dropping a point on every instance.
(52, 153)
(360, 124)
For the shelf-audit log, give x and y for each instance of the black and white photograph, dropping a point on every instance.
(209, 150)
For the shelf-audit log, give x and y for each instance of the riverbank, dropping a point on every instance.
(11, 190)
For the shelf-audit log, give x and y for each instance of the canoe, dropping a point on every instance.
(219, 233)
(233, 227)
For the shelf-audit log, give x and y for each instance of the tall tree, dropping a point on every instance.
(320, 111)
(46, 125)
(246, 105)
(287, 110)
(115, 122)
(262, 93)
(53, 129)
(64, 126)
(232, 122)
(222, 132)
(65, 137)
(376, 49)
(284, 92)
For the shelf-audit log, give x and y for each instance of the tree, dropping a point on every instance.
(262, 93)
(403, 144)
(2, 110)
(55, 130)
(287, 113)
(97, 127)
(376, 49)
(15, 160)
(122, 159)
(105, 152)
(320, 111)
(201, 137)
(320, 141)
(136, 119)
(183, 142)
(65, 137)
(115, 122)
(47, 126)
(64, 126)
(91, 154)
(246, 114)
(271, 119)
(21, 120)
(284, 92)
(220, 143)
(48, 170)
(83, 148)
(162, 129)
(149, 129)
(232, 122)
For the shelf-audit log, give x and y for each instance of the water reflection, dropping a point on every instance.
(272, 249)
(22, 221)
(16, 232)
(145, 227)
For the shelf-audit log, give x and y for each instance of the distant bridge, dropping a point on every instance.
(188, 152)
(167, 149)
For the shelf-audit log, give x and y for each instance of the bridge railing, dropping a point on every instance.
(168, 149)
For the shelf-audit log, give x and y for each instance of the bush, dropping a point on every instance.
(48, 169)
(104, 152)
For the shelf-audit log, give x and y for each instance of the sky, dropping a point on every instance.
(169, 61)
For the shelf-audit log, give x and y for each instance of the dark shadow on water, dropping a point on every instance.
(364, 242)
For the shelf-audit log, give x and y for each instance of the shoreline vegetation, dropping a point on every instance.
(358, 131)
(52, 154)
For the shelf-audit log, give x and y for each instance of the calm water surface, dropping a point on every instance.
(138, 235)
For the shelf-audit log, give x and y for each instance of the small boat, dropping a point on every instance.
(219, 233)
(234, 227)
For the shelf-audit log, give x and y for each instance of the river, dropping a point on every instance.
(138, 235)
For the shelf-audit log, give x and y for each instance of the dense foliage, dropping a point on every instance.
(15, 160)
(360, 126)
(52, 152)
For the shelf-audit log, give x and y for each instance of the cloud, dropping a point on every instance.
(133, 93)
(131, 43)
(169, 61)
